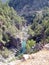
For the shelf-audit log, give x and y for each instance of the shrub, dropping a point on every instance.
(20, 56)
(31, 43)
(27, 48)
(5, 53)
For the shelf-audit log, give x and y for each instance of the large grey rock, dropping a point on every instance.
(26, 56)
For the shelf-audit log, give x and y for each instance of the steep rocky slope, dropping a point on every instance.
(39, 58)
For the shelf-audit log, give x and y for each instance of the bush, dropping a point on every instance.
(20, 56)
(5, 53)
(47, 40)
(27, 48)
(31, 43)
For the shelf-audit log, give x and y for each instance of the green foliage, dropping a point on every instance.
(40, 25)
(20, 56)
(8, 22)
(27, 48)
(31, 43)
(5, 53)
(31, 32)
(47, 39)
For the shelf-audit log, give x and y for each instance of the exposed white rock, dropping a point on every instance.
(26, 56)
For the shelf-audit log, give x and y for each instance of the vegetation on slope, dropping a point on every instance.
(9, 22)
(40, 26)
(26, 8)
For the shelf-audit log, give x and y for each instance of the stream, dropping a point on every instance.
(23, 35)
(24, 38)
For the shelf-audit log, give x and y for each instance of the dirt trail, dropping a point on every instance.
(39, 58)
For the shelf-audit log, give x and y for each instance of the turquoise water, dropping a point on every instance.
(23, 44)
(23, 47)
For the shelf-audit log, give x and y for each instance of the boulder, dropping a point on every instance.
(26, 56)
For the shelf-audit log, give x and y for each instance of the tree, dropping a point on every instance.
(8, 22)
(40, 26)
(31, 43)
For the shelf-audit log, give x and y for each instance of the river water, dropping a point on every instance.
(23, 41)
(23, 49)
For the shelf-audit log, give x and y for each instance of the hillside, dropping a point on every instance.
(39, 58)
(3, 1)
(27, 8)
(24, 30)
(9, 23)
(28, 5)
